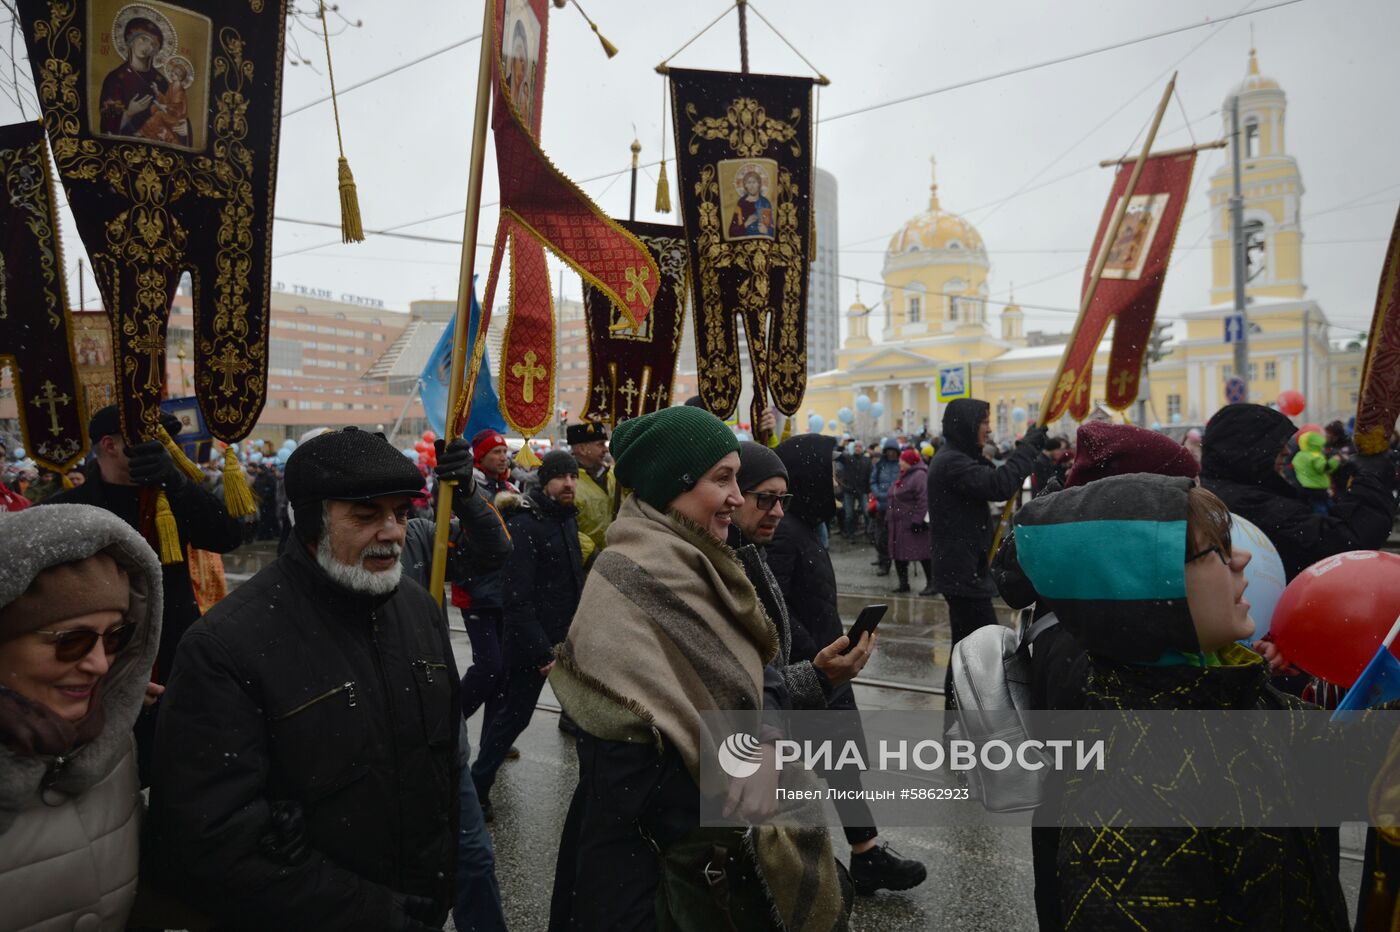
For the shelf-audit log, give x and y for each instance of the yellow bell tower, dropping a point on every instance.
(1272, 190)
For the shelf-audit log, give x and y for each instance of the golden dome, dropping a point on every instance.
(935, 230)
(857, 310)
(1253, 80)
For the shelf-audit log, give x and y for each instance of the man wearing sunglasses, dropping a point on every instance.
(306, 760)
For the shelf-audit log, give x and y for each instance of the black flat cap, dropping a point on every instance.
(348, 465)
(586, 432)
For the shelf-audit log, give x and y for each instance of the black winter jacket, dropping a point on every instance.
(294, 690)
(478, 542)
(961, 484)
(855, 474)
(542, 580)
(1237, 464)
(797, 558)
(204, 523)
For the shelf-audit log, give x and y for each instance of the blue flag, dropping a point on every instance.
(1378, 683)
(432, 384)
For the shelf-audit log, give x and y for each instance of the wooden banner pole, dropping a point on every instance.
(1110, 234)
(484, 81)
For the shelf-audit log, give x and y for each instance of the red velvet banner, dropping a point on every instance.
(540, 207)
(1378, 404)
(1130, 288)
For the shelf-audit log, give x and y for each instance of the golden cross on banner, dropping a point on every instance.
(636, 285)
(629, 391)
(1063, 387)
(152, 344)
(1123, 381)
(228, 364)
(53, 400)
(529, 372)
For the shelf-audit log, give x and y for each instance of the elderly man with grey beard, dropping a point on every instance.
(306, 761)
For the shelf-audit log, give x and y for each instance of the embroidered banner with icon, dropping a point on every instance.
(1130, 288)
(1378, 403)
(163, 121)
(36, 332)
(541, 208)
(744, 158)
(631, 368)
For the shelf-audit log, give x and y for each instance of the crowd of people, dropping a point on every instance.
(296, 756)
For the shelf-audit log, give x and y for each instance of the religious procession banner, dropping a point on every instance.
(744, 158)
(631, 369)
(540, 208)
(1129, 289)
(1378, 404)
(35, 330)
(163, 121)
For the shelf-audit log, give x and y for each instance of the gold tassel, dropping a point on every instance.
(526, 458)
(663, 191)
(238, 498)
(608, 48)
(351, 230)
(182, 462)
(67, 483)
(167, 532)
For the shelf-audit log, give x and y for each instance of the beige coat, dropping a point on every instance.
(69, 826)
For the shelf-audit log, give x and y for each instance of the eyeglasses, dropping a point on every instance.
(1217, 550)
(766, 500)
(77, 643)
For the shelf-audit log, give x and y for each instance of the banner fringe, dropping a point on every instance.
(167, 532)
(238, 498)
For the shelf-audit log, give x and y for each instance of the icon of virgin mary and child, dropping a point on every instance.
(145, 100)
(753, 214)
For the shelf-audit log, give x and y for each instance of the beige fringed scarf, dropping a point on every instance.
(669, 627)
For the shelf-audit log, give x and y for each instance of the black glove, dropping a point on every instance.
(150, 464)
(1378, 465)
(171, 423)
(455, 463)
(286, 841)
(414, 913)
(1036, 436)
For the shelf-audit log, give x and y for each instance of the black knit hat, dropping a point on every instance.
(348, 465)
(556, 463)
(586, 432)
(757, 463)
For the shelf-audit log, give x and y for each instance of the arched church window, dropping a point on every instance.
(954, 244)
(916, 309)
(1251, 139)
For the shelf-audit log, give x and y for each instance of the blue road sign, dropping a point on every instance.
(1234, 389)
(1234, 328)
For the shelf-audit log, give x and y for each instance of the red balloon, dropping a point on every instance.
(429, 436)
(1334, 615)
(1291, 402)
(421, 446)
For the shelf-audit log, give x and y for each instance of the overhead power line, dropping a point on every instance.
(341, 92)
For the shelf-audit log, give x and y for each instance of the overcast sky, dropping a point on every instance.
(407, 135)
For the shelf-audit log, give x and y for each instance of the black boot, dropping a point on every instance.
(880, 868)
(928, 588)
(901, 568)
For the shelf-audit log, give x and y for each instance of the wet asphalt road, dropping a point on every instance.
(979, 880)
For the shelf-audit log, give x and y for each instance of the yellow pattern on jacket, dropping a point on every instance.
(595, 507)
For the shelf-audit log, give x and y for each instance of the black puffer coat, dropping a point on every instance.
(543, 578)
(1237, 464)
(796, 556)
(961, 484)
(294, 690)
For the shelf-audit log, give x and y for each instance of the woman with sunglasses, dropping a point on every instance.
(80, 610)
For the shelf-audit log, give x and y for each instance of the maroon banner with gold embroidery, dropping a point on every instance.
(1378, 404)
(1130, 288)
(163, 120)
(744, 160)
(631, 368)
(36, 333)
(540, 208)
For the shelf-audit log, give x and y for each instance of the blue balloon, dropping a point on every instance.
(18, 453)
(815, 423)
(283, 455)
(1264, 574)
(1156, 425)
(289, 444)
(1176, 418)
(845, 415)
(877, 409)
(1018, 414)
(410, 453)
(831, 425)
(862, 403)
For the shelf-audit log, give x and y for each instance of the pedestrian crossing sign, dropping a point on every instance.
(953, 382)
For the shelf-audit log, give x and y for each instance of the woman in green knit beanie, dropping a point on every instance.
(669, 628)
(683, 459)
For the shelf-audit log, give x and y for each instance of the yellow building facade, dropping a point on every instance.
(933, 312)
